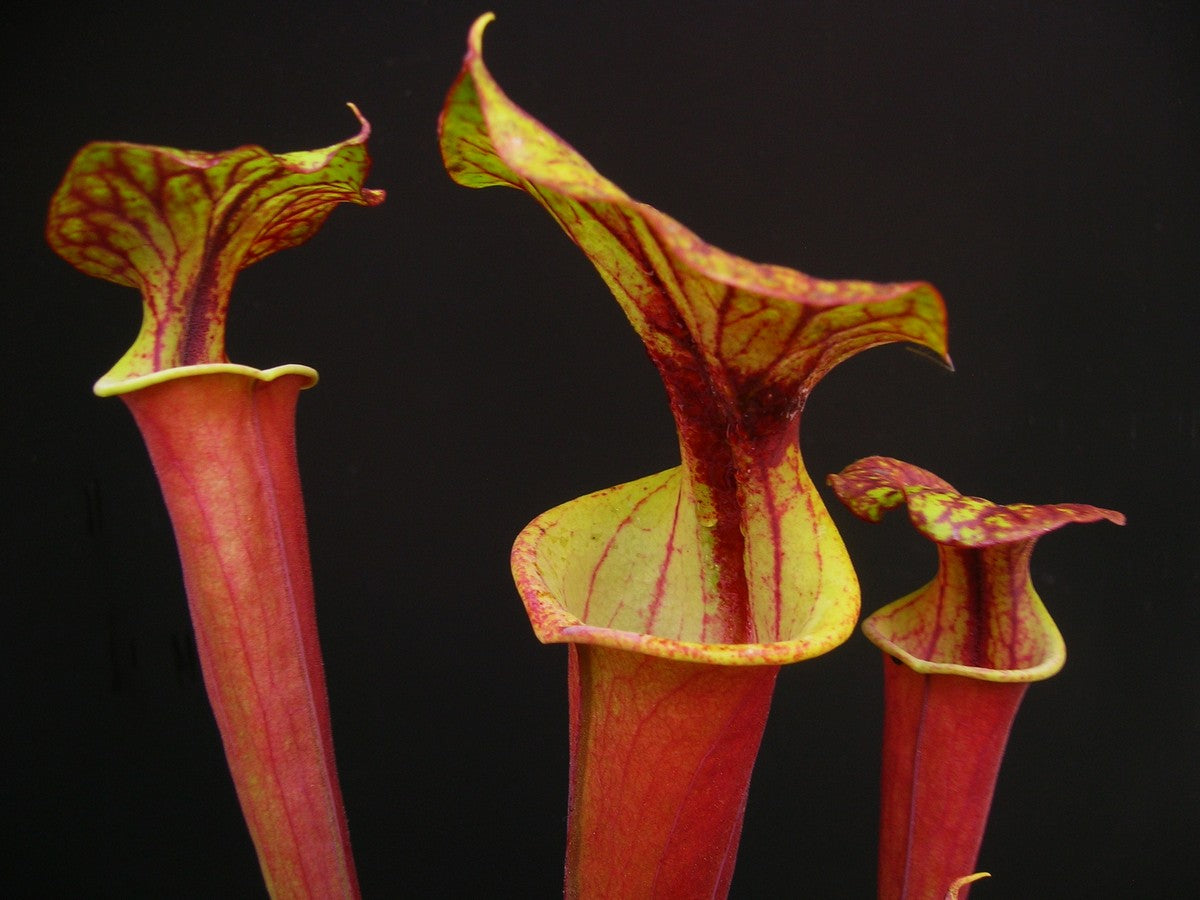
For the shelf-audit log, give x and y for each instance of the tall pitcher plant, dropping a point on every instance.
(179, 225)
(682, 593)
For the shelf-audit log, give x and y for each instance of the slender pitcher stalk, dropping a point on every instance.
(179, 225)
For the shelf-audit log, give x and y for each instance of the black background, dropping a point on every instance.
(1036, 161)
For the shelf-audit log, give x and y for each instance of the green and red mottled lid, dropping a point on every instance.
(980, 617)
(731, 556)
(180, 224)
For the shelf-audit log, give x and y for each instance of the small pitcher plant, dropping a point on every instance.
(959, 654)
